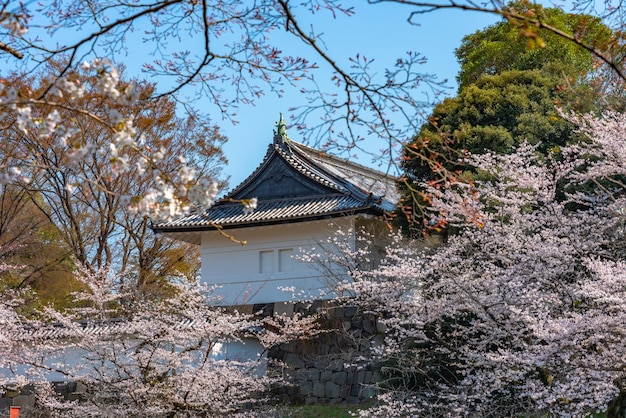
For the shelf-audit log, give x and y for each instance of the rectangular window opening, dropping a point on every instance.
(285, 261)
(266, 261)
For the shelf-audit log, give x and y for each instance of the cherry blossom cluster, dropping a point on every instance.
(40, 119)
(521, 309)
(13, 22)
(145, 358)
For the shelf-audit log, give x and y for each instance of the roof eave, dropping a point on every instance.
(279, 221)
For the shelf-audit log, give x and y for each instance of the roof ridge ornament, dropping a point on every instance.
(280, 133)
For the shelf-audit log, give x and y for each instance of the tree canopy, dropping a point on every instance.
(42, 263)
(496, 113)
(85, 202)
(521, 312)
(509, 92)
(509, 45)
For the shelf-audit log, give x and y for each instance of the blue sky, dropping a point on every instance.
(379, 31)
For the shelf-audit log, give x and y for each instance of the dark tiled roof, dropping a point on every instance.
(272, 211)
(56, 330)
(341, 188)
(364, 178)
(101, 328)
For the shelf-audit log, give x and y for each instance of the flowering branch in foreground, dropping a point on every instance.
(45, 120)
(522, 309)
(160, 357)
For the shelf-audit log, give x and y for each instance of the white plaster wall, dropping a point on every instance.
(237, 271)
(79, 362)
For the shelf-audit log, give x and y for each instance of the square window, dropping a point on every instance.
(285, 262)
(266, 261)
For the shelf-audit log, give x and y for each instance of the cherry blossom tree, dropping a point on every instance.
(39, 122)
(88, 200)
(198, 48)
(143, 358)
(522, 309)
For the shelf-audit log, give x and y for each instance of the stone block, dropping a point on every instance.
(277, 353)
(71, 386)
(360, 376)
(292, 390)
(24, 401)
(340, 378)
(368, 326)
(61, 389)
(344, 391)
(346, 357)
(316, 306)
(293, 360)
(320, 364)
(290, 347)
(336, 365)
(350, 311)
(306, 388)
(318, 389)
(28, 390)
(75, 396)
(367, 378)
(367, 392)
(302, 307)
(376, 377)
(280, 399)
(312, 374)
(331, 390)
(380, 327)
(290, 373)
(356, 333)
(310, 401)
(377, 341)
(326, 375)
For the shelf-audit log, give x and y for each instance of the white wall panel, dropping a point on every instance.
(255, 272)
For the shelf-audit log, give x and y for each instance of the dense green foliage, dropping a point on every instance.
(513, 83)
(512, 45)
(496, 113)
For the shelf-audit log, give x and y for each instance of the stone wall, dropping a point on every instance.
(330, 368)
(25, 397)
(327, 369)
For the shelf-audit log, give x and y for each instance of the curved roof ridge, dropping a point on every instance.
(311, 171)
(254, 174)
(327, 169)
(378, 183)
(339, 160)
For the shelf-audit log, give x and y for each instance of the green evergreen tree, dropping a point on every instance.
(512, 83)
(511, 45)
